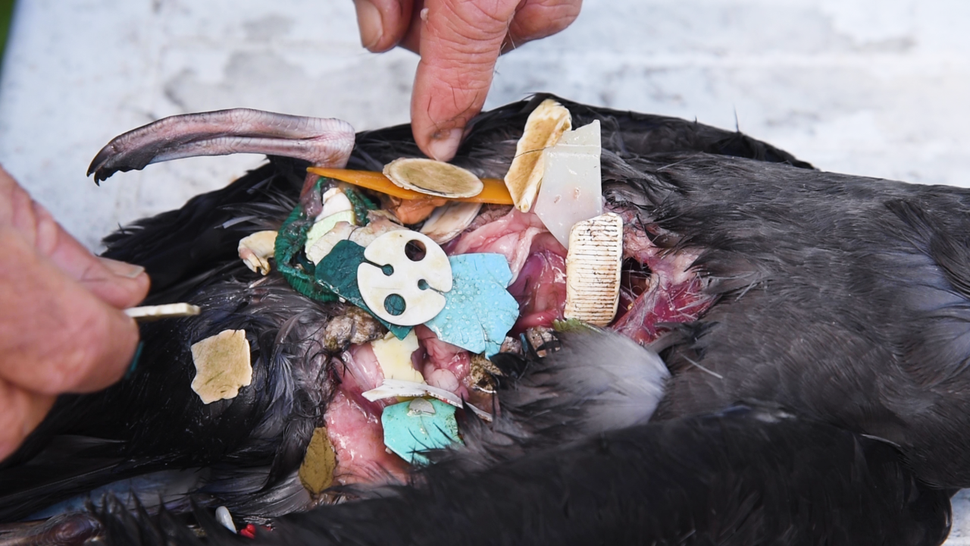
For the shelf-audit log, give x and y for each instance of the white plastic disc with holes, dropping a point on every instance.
(404, 281)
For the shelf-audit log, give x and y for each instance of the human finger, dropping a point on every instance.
(460, 42)
(55, 335)
(536, 19)
(383, 23)
(119, 284)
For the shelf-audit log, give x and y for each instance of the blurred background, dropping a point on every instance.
(868, 87)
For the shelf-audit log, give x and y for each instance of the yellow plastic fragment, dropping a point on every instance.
(542, 129)
(394, 356)
(493, 191)
(222, 366)
(256, 249)
(316, 471)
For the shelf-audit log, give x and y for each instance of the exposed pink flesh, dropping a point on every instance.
(510, 235)
(537, 260)
(358, 440)
(541, 286)
(445, 366)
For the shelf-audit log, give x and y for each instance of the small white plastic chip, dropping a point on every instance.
(222, 366)
(432, 177)
(393, 388)
(593, 269)
(542, 129)
(256, 249)
(448, 221)
(168, 310)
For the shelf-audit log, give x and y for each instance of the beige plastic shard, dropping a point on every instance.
(543, 128)
(256, 249)
(572, 189)
(316, 471)
(394, 356)
(168, 310)
(222, 366)
(450, 220)
(432, 177)
(593, 269)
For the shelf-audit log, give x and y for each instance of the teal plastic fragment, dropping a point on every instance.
(478, 311)
(419, 425)
(337, 273)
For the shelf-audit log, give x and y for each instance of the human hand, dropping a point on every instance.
(61, 328)
(459, 42)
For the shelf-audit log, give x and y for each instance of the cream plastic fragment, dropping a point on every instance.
(432, 177)
(394, 356)
(222, 366)
(593, 269)
(324, 226)
(334, 201)
(336, 208)
(256, 249)
(571, 188)
(450, 220)
(542, 129)
(416, 282)
(393, 388)
(168, 310)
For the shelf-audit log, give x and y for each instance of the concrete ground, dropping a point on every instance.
(868, 87)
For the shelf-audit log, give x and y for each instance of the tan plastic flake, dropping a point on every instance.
(543, 128)
(222, 366)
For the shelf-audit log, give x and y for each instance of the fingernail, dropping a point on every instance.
(123, 269)
(444, 144)
(370, 23)
(134, 360)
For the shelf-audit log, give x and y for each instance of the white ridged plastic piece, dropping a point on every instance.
(593, 269)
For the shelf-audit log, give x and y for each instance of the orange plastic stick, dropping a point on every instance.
(494, 191)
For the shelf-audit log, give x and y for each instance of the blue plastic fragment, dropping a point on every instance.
(419, 425)
(478, 311)
(337, 272)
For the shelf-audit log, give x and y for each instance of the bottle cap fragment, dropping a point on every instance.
(542, 129)
(433, 177)
(419, 425)
(222, 365)
(593, 269)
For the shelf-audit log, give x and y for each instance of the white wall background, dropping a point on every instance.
(869, 87)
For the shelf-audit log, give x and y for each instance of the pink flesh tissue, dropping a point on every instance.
(665, 290)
